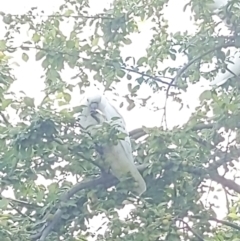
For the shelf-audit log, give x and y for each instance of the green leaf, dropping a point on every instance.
(140, 80)
(135, 89)
(7, 19)
(67, 97)
(3, 45)
(98, 77)
(53, 187)
(4, 203)
(141, 61)
(129, 77)
(40, 55)
(45, 63)
(36, 38)
(120, 73)
(173, 56)
(39, 196)
(25, 57)
(205, 95)
(233, 216)
(6, 103)
(127, 41)
(29, 102)
(95, 41)
(70, 44)
(68, 13)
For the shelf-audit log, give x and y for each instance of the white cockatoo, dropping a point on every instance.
(118, 157)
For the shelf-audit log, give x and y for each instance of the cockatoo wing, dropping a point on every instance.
(120, 157)
(233, 66)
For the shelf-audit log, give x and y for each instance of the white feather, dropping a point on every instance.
(233, 66)
(119, 157)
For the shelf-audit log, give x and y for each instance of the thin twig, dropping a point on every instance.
(147, 75)
(191, 230)
(226, 197)
(21, 213)
(22, 203)
(98, 16)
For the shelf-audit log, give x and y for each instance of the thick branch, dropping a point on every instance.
(226, 223)
(213, 175)
(225, 182)
(139, 132)
(107, 181)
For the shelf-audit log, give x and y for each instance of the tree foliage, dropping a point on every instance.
(185, 163)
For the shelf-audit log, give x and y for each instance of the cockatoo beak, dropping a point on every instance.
(93, 107)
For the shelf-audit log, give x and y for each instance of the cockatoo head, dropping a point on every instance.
(95, 103)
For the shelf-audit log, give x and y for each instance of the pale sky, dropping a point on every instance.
(28, 74)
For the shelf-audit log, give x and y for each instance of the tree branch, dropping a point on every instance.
(146, 75)
(98, 16)
(21, 203)
(107, 181)
(226, 223)
(191, 230)
(140, 132)
(225, 182)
